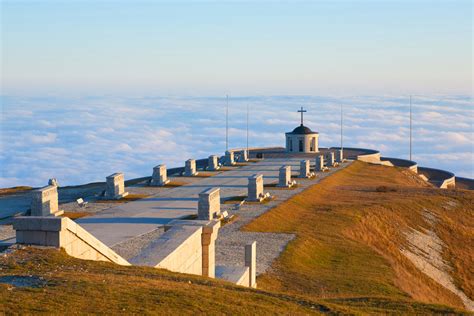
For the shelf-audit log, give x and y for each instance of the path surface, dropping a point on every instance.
(126, 221)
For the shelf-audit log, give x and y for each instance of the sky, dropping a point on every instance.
(89, 88)
(238, 47)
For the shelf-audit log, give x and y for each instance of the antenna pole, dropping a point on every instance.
(247, 129)
(341, 129)
(411, 125)
(227, 123)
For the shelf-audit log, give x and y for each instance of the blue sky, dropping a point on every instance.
(240, 47)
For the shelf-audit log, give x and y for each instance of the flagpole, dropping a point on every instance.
(411, 127)
(227, 123)
(247, 129)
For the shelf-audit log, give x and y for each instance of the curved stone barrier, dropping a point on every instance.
(440, 178)
(464, 183)
(403, 163)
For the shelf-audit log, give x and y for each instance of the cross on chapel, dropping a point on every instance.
(302, 111)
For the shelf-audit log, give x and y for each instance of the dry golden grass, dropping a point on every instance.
(75, 215)
(72, 286)
(349, 232)
(7, 191)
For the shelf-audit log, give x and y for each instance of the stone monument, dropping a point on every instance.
(251, 263)
(213, 163)
(305, 170)
(320, 164)
(209, 204)
(255, 188)
(115, 186)
(160, 176)
(44, 202)
(190, 168)
(339, 156)
(229, 158)
(330, 161)
(284, 177)
(243, 156)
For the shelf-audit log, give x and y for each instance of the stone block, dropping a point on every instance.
(284, 177)
(320, 163)
(160, 176)
(251, 263)
(44, 201)
(213, 163)
(115, 186)
(229, 158)
(330, 160)
(243, 156)
(305, 169)
(255, 188)
(190, 168)
(209, 204)
(339, 156)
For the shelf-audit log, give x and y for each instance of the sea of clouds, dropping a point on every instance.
(83, 139)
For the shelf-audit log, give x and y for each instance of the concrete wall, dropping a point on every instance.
(61, 232)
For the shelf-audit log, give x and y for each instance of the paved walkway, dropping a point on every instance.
(133, 219)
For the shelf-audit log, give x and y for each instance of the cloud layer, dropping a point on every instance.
(79, 140)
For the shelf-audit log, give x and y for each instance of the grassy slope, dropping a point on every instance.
(348, 239)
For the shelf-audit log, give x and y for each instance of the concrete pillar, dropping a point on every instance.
(330, 159)
(209, 204)
(190, 168)
(44, 201)
(251, 263)
(160, 176)
(319, 163)
(284, 178)
(339, 155)
(304, 169)
(255, 188)
(208, 242)
(213, 163)
(229, 158)
(243, 156)
(115, 186)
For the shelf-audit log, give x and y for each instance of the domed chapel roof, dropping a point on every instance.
(302, 130)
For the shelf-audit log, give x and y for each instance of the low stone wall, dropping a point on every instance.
(440, 178)
(61, 232)
(236, 275)
(403, 163)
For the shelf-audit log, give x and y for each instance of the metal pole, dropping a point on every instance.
(227, 123)
(411, 143)
(341, 129)
(247, 129)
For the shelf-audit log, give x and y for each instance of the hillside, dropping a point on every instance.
(362, 236)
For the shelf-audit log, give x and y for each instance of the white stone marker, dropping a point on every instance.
(339, 156)
(213, 163)
(160, 176)
(229, 158)
(304, 169)
(251, 263)
(53, 181)
(243, 156)
(330, 159)
(209, 204)
(44, 202)
(284, 177)
(190, 168)
(319, 163)
(115, 186)
(255, 188)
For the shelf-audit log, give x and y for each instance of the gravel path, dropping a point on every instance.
(231, 241)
